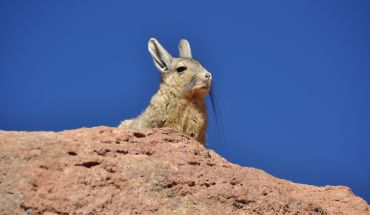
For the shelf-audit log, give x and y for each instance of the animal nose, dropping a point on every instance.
(208, 75)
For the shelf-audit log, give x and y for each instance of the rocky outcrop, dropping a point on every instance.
(105, 170)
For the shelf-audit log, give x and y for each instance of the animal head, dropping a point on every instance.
(184, 74)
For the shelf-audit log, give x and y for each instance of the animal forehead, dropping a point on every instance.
(188, 61)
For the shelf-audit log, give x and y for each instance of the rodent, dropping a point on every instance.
(179, 102)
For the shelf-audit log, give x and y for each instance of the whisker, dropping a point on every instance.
(217, 113)
(191, 83)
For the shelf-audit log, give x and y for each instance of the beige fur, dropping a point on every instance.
(180, 101)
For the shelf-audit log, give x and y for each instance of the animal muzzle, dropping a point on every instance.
(208, 75)
(207, 79)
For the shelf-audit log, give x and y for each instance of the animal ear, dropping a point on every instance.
(184, 48)
(162, 59)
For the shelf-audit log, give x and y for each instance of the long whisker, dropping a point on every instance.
(217, 113)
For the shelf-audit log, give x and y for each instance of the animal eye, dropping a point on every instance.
(181, 68)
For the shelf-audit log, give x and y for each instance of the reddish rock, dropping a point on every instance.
(107, 170)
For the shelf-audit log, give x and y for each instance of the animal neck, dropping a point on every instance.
(168, 108)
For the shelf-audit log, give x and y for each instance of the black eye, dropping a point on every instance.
(181, 68)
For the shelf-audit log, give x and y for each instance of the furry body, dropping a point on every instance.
(180, 101)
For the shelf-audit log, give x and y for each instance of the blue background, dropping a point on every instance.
(292, 77)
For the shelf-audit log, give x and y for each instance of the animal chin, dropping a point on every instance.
(202, 88)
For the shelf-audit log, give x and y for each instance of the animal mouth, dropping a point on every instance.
(206, 87)
(202, 87)
(208, 84)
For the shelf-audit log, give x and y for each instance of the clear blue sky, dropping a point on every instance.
(292, 77)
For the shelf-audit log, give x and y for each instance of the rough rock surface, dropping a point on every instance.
(105, 170)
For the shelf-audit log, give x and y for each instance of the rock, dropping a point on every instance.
(105, 170)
